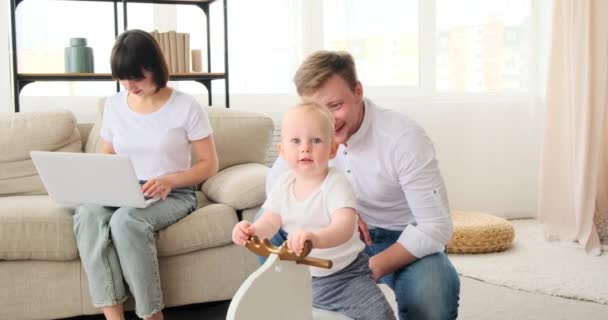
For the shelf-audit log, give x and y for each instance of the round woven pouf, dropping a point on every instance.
(477, 232)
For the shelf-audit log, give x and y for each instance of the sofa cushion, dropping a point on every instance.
(202, 198)
(207, 227)
(93, 144)
(23, 132)
(85, 131)
(249, 214)
(241, 186)
(239, 136)
(36, 228)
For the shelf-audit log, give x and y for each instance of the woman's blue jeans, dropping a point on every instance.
(119, 244)
(426, 289)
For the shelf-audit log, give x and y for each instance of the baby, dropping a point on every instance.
(314, 202)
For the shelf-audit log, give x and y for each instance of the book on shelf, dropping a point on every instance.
(187, 50)
(155, 35)
(166, 51)
(173, 49)
(181, 64)
(159, 37)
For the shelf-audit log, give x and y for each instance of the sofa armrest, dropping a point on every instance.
(241, 186)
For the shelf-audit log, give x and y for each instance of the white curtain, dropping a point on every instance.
(573, 161)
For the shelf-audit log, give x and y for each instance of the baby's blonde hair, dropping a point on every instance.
(324, 114)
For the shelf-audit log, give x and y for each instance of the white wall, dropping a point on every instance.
(6, 105)
(488, 152)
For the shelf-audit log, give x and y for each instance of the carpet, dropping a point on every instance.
(536, 265)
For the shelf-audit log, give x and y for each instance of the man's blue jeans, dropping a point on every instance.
(426, 289)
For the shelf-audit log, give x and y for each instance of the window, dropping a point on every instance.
(423, 47)
(381, 35)
(485, 49)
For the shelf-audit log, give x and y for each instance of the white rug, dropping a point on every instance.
(536, 265)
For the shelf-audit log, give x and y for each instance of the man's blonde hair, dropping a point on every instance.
(324, 114)
(320, 66)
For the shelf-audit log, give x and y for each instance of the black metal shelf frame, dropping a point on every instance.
(21, 80)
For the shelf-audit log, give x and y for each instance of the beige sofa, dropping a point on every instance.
(40, 273)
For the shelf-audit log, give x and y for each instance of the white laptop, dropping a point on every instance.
(90, 178)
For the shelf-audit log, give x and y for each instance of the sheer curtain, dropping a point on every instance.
(573, 162)
(601, 215)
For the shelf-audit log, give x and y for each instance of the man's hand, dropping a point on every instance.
(296, 241)
(241, 232)
(390, 260)
(367, 238)
(158, 187)
(376, 268)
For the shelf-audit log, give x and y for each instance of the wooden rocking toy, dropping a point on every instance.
(281, 288)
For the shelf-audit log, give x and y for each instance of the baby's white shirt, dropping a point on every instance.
(314, 213)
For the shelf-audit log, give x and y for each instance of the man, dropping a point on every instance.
(401, 196)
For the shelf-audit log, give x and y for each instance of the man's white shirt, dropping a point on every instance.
(391, 164)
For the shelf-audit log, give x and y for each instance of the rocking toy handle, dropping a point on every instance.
(316, 262)
(265, 248)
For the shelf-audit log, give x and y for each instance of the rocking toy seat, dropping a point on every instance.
(282, 288)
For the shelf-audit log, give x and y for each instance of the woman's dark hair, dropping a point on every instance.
(135, 51)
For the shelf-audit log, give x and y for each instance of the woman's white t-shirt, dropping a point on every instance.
(157, 143)
(314, 213)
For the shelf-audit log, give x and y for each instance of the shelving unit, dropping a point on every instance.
(204, 78)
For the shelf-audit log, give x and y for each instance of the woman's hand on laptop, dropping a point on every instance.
(159, 187)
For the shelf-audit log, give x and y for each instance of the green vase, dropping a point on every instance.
(78, 57)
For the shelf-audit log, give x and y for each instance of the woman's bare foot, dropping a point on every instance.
(156, 316)
(115, 312)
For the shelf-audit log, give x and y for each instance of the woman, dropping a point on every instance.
(158, 128)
